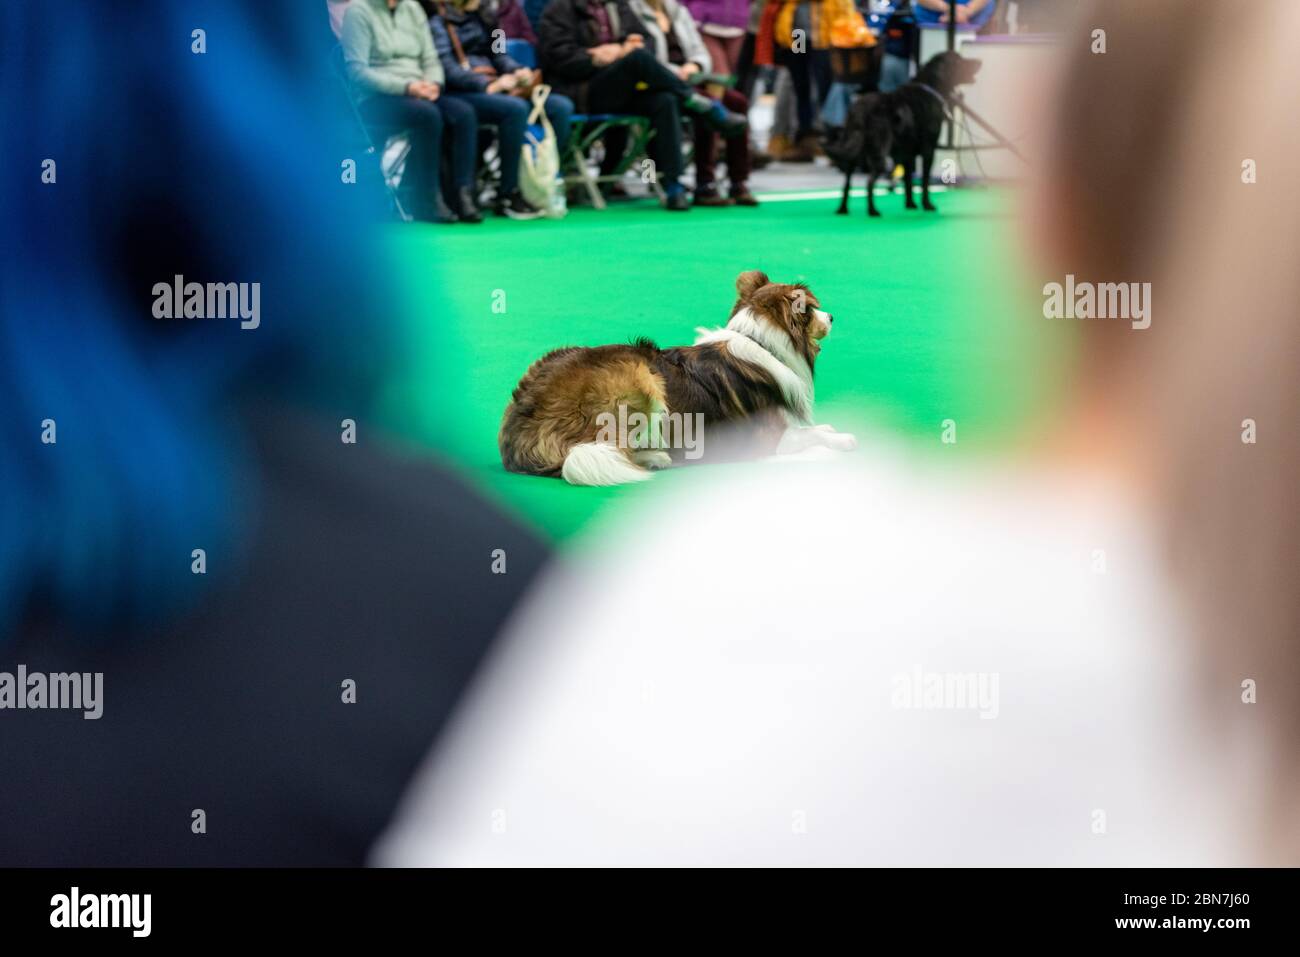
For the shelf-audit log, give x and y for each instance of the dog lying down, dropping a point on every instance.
(884, 129)
(608, 415)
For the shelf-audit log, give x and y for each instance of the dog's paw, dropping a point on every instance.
(874, 212)
(909, 205)
(929, 207)
(842, 211)
(841, 442)
(654, 459)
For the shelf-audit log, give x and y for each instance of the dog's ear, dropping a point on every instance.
(748, 283)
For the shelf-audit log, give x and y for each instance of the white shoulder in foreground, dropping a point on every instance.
(891, 671)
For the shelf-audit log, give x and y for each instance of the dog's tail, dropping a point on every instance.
(599, 463)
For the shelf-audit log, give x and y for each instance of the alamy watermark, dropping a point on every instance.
(1106, 300)
(654, 430)
(35, 690)
(75, 909)
(179, 299)
(946, 691)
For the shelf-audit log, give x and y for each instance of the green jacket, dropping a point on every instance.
(387, 49)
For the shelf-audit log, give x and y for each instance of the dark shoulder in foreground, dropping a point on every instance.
(365, 570)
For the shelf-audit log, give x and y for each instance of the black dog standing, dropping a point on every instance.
(896, 127)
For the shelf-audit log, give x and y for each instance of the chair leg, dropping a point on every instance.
(580, 141)
(391, 184)
(588, 181)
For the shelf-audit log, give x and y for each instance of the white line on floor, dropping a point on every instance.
(831, 194)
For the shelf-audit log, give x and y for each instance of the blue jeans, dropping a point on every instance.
(894, 72)
(427, 122)
(510, 116)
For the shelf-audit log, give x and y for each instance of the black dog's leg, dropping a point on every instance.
(844, 200)
(927, 161)
(909, 167)
(871, 195)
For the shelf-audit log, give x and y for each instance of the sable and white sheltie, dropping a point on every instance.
(749, 384)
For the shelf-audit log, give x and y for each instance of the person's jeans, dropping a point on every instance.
(640, 84)
(510, 116)
(427, 123)
(810, 72)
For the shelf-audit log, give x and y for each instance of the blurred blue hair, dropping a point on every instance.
(222, 166)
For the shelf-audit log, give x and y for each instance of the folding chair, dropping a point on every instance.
(586, 131)
(391, 160)
(487, 176)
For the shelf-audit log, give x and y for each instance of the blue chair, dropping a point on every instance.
(522, 52)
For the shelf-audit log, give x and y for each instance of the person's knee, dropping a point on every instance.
(427, 117)
(559, 109)
(459, 115)
(511, 115)
(642, 58)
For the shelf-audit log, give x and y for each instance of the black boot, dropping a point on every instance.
(516, 207)
(716, 115)
(436, 211)
(465, 208)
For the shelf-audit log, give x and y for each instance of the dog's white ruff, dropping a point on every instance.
(598, 463)
(752, 341)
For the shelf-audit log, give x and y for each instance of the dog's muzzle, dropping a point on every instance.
(821, 324)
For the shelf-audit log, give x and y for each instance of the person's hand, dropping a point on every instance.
(605, 53)
(524, 75)
(634, 42)
(688, 70)
(503, 84)
(423, 90)
(963, 15)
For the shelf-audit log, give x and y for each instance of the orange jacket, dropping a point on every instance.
(777, 26)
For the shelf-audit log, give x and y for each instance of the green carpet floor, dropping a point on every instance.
(932, 321)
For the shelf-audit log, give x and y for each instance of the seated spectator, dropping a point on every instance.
(398, 78)
(511, 18)
(496, 88)
(678, 45)
(594, 52)
(973, 13)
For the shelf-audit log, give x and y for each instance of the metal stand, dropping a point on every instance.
(959, 103)
(951, 144)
